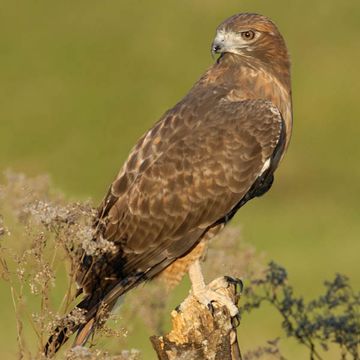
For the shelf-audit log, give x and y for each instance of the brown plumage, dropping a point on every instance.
(188, 175)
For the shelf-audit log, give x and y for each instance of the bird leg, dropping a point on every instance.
(206, 294)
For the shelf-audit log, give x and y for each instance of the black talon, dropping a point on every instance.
(230, 279)
(211, 308)
(240, 284)
(235, 321)
(237, 282)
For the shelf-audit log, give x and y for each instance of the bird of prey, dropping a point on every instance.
(216, 149)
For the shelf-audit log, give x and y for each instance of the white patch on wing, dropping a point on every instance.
(265, 167)
(274, 109)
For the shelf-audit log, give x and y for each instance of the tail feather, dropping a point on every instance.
(93, 305)
(98, 313)
(84, 333)
(62, 332)
(58, 339)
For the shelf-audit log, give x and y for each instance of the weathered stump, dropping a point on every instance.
(200, 333)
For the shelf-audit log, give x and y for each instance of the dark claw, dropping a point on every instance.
(177, 309)
(235, 321)
(240, 285)
(237, 282)
(211, 308)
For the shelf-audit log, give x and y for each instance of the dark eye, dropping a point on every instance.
(247, 35)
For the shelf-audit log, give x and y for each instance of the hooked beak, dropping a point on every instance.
(219, 44)
(217, 47)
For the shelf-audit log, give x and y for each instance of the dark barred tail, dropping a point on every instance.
(57, 339)
(72, 323)
(85, 316)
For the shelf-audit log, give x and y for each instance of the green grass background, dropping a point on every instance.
(82, 80)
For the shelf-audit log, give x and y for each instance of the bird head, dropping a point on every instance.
(250, 35)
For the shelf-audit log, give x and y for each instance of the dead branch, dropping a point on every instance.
(199, 333)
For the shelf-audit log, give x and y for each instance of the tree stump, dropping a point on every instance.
(200, 333)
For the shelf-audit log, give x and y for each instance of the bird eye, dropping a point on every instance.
(247, 35)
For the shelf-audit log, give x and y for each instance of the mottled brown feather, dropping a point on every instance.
(221, 156)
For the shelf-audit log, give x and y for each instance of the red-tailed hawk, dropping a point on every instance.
(190, 173)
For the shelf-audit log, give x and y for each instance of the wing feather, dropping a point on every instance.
(184, 175)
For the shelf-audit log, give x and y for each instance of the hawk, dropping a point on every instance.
(190, 173)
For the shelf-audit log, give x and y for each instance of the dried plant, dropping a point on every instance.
(332, 318)
(269, 351)
(47, 235)
(150, 304)
(82, 353)
(229, 254)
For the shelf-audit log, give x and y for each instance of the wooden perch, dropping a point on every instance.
(199, 333)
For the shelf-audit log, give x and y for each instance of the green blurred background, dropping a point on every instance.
(82, 80)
